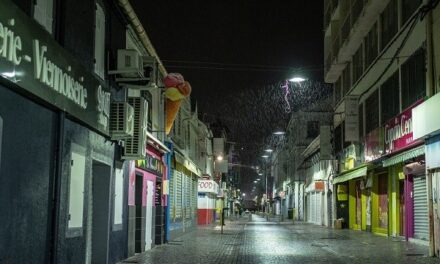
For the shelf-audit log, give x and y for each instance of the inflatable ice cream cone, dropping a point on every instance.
(172, 108)
(176, 89)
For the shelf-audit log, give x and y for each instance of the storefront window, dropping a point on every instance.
(118, 197)
(76, 193)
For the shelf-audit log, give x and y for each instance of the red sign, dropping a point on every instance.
(399, 131)
(374, 144)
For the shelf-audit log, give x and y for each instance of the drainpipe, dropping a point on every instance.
(429, 54)
(140, 32)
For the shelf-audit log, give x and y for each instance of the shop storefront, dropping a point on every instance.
(206, 201)
(183, 196)
(427, 127)
(55, 151)
(404, 160)
(315, 202)
(352, 197)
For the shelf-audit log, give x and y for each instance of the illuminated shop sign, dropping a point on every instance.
(32, 60)
(151, 164)
(399, 131)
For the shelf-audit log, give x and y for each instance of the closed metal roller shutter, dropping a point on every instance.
(172, 194)
(318, 204)
(178, 182)
(421, 224)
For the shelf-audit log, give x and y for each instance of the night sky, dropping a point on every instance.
(235, 54)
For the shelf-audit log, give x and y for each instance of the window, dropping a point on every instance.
(413, 79)
(338, 139)
(408, 8)
(371, 44)
(99, 41)
(149, 97)
(312, 129)
(338, 90)
(372, 112)
(390, 99)
(358, 64)
(76, 191)
(389, 23)
(43, 14)
(346, 82)
(361, 121)
(118, 197)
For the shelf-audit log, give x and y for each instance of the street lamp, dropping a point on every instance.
(297, 79)
(269, 150)
(279, 132)
(265, 156)
(219, 157)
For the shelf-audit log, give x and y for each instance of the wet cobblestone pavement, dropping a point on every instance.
(260, 241)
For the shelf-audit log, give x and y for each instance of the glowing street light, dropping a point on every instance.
(265, 156)
(219, 157)
(297, 79)
(279, 132)
(269, 150)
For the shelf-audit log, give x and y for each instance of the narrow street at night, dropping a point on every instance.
(262, 241)
(191, 131)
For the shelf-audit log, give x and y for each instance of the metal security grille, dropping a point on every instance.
(194, 198)
(421, 227)
(178, 189)
(187, 196)
(172, 194)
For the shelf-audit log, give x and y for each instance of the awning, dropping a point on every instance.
(406, 155)
(153, 141)
(351, 174)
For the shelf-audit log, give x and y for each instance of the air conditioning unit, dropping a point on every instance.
(130, 64)
(136, 146)
(121, 120)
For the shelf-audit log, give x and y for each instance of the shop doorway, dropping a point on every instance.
(140, 220)
(149, 215)
(402, 211)
(101, 175)
(383, 202)
(358, 204)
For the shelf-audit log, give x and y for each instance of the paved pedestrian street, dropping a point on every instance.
(262, 241)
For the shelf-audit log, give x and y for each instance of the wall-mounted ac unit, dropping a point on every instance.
(136, 146)
(130, 64)
(121, 120)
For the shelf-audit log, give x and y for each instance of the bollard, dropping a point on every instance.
(222, 219)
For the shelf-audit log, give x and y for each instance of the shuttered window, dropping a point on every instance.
(43, 14)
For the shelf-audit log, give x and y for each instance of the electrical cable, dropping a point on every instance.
(421, 13)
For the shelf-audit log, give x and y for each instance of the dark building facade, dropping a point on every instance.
(62, 179)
